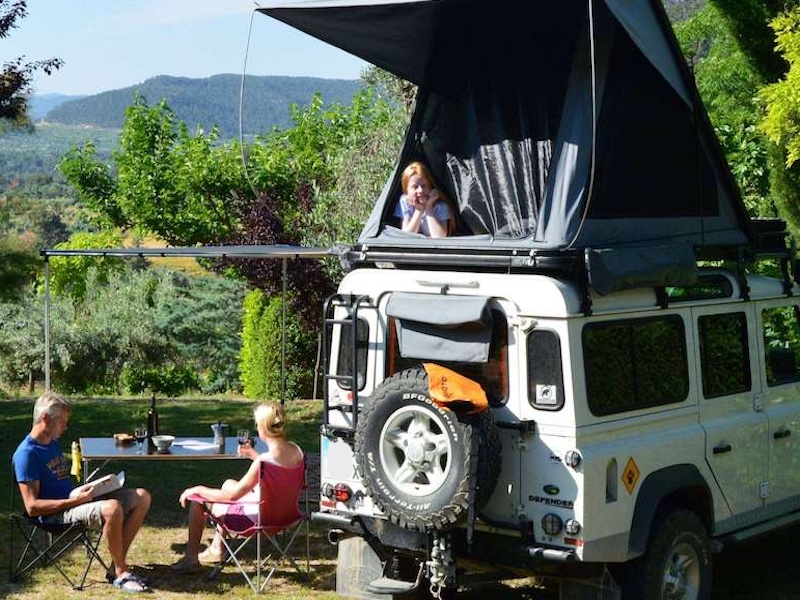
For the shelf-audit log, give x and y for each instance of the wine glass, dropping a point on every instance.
(140, 433)
(244, 436)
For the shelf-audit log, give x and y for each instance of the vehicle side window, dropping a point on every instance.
(492, 375)
(782, 344)
(635, 363)
(344, 364)
(724, 354)
(545, 378)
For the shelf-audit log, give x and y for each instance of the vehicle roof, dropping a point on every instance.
(542, 295)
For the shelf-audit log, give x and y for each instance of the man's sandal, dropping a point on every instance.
(128, 582)
(111, 576)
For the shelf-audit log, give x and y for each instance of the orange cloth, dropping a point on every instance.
(446, 386)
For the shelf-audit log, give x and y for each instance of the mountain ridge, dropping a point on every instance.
(202, 102)
(41, 104)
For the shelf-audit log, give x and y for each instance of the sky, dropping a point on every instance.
(112, 44)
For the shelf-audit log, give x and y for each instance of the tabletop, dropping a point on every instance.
(183, 448)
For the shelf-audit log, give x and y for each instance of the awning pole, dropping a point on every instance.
(283, 331)
(46, 323)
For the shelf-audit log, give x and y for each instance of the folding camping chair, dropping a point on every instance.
(280, 521)
(46, 543)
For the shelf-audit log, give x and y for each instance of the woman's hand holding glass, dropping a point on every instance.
(246, 444)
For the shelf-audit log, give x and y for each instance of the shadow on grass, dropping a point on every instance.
(320, 575)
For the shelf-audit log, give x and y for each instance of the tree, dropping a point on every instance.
(69, 274)
(260, 356)
(16, 75)
(782, 98)
(748, 22)
(131, 330)
(363, 163)
(191, 189)
(18, 261)
(749, 63)
(19, 266)
(21, 340)
(165, 181)
(728, 83)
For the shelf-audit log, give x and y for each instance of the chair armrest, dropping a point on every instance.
(202, 500)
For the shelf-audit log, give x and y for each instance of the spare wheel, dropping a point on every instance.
(415, 457)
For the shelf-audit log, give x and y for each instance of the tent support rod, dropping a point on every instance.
(46, 323)
(283, 329)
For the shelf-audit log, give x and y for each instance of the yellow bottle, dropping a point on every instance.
(77, 461)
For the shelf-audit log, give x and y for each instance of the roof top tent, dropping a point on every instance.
(559, 128)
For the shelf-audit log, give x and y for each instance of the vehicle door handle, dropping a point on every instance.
(781, 433)
(722, 448)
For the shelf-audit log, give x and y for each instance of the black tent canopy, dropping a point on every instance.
(552, 125)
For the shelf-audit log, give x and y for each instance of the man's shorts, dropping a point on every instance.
(90, 513)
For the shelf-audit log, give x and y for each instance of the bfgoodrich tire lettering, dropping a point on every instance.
(415, 457)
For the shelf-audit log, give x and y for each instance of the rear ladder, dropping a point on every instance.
(353, 304)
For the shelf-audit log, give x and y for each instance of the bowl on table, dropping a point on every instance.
(162, 442)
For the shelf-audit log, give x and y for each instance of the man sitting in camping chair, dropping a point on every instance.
(263, 503)
(43, 478)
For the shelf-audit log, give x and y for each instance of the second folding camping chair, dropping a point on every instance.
(280, 521)
(44, 544)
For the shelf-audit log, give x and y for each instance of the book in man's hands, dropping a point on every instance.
(104, 485)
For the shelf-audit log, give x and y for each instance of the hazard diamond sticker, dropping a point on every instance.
(630, 475)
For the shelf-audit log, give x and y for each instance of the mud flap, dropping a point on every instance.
(356, 566)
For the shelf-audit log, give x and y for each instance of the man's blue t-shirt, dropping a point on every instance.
(44, 463)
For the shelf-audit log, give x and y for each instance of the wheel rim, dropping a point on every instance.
(681, 579)
(415, 451)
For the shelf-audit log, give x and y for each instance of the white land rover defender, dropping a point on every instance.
(635, 434)
(643, 407)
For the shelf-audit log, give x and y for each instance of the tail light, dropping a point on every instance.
(342, 492)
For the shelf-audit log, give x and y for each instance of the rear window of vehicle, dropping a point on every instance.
(492, 375)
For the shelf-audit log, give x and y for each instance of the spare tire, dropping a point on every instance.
(415, 457)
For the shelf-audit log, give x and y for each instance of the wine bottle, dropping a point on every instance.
(152, 420)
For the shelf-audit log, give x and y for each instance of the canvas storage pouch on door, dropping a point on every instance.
(442, 327)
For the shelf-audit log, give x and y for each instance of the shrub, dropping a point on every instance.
(260, 358)
(167, 380)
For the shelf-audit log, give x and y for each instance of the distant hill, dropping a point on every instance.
(41, 104)
(210, 101)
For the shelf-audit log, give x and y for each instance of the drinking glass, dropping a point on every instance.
(140, 433)
(243, 436)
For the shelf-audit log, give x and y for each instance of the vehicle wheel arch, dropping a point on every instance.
(676, 486)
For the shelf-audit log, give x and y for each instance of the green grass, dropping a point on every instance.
(161, 540)
(764, 569)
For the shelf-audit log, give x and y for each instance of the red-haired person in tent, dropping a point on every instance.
(422, 207)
